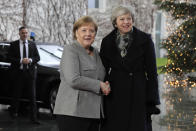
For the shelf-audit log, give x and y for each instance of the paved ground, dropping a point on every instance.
(178, 106)
(178, 113)
(23, 123)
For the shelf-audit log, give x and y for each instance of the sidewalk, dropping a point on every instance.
(22, 123)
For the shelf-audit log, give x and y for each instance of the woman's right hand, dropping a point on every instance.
(105, 87)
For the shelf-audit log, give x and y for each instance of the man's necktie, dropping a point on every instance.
(24, 56)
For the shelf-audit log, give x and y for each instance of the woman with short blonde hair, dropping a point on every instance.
(79, 104)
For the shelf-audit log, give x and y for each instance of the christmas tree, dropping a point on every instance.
(180, 108)
(181, 43)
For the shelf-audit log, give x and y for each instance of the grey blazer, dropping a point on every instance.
(79, 91)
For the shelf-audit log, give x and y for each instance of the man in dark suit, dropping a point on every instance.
(23, 56)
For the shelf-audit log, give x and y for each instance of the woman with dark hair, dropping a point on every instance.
(129, 58)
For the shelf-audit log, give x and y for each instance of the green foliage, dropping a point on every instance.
(181, 44)
(177, 10)
(161, 62)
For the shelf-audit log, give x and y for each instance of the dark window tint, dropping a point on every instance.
(3, 52)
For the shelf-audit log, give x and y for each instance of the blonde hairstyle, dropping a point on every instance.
(84, 20)
(118, 11)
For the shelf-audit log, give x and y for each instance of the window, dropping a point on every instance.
(3, 51)
(93, 3)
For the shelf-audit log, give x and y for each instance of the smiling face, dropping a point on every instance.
(124, 23)
(85, 35)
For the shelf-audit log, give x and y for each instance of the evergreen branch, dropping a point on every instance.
(177, 10)
(181, 48)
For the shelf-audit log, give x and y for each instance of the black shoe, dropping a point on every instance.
(36, 122)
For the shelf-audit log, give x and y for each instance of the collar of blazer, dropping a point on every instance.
(138, 38)
(77, 45)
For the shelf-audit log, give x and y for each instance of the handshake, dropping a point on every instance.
(105, 87)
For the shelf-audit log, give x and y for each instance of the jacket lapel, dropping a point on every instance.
(17, 45)
(30, 49)
(81, 50)
(113, 45)
(133, 35)
(122, 60)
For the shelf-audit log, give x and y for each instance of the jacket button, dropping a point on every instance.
(131, 74)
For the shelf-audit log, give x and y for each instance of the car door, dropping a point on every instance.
(4, 71)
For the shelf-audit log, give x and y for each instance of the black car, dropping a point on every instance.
(48, 76)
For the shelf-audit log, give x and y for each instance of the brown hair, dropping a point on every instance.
(84, 20)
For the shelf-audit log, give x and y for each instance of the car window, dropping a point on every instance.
(4, 51)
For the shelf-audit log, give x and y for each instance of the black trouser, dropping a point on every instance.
(71, 123)
(148, 126)
(24, 82)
